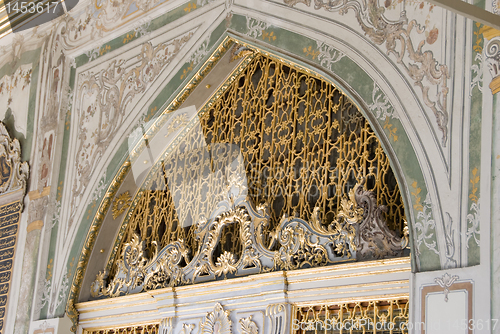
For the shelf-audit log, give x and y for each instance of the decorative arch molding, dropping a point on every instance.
(419, 189)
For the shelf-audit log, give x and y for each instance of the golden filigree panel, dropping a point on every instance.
(300, 143)
(134, 329)
(378, 316)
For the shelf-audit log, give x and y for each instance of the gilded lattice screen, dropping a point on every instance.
(138, 329)
(377, 316)
(298, 139)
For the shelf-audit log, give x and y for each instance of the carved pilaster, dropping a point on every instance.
(277, 315)
(166, 326)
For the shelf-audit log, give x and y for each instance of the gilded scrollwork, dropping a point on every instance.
(359, 232)
(230, 210)
(121, 203)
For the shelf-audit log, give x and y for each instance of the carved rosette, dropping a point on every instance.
(13, 172)
(359, 232)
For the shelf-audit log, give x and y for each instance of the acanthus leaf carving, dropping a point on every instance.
(216, 322)
(186, 328)
(248, 326)
(375, 239)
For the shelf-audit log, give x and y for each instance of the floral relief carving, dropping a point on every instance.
(13, 173)
(216, 322)
(421, 66)
(186, 328)
(178, 122)
(121, 204)
(103, 101)
(446, 281)
(248, 326)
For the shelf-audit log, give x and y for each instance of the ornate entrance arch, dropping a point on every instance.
(160, 246)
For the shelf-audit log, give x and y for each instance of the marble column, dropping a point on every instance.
(37, 207)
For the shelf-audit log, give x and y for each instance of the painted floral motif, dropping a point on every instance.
(328, 55)
(449, 235)
(473, 224)
(474, 181)
(477, 73)
(391, 129)
(255, 27)
(109, 12)
(425, 225)
(9, 83)
(381, 107)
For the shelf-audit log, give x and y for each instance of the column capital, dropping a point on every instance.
(492, 53)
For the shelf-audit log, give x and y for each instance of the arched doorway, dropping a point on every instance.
(277, 174)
